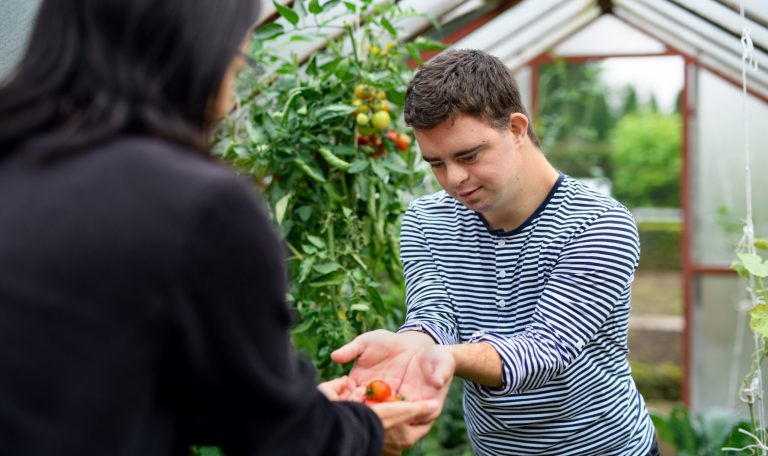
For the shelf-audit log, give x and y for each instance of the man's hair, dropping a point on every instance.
(96, 69)
(465, 81)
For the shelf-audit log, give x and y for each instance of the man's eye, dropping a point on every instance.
(435, 164)
(469, 158)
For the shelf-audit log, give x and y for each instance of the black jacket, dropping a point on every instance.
(142, 309)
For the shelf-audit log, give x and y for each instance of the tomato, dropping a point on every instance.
(362, 119)
(378, 390)
(392, 135)
(361, 91)
(380, 120)
(361, 107)
(403, 142)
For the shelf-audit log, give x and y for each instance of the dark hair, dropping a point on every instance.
(463, 81)
(94, 69)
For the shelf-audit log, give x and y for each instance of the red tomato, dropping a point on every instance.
(403, 142)
(378, 391)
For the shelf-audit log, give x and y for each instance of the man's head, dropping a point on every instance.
(468, 82)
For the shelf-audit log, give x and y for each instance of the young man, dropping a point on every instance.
(521, 272)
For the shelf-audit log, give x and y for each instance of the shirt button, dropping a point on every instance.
(502, 303)
(502, 273)
(501, 242)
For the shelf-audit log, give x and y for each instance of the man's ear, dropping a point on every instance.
(518, 124)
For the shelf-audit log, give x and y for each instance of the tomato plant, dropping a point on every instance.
(311, 136)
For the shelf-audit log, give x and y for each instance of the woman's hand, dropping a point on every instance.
(338, 389)
(396, 417)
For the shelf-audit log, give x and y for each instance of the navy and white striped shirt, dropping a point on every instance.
(552, 297)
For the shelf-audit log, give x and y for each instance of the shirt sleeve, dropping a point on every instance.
(429, 308)
(594, 270)
(244, 387)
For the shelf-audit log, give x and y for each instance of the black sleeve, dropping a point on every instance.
(252, 393)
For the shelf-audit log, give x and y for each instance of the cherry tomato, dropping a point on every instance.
(378, 390)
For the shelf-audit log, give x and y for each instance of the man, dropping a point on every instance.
(521, 272)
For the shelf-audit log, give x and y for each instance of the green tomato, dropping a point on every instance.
(381, 120)
(362, 119)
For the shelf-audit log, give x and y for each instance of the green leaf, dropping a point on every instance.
(761, 244)
(413, 51)
(314, 7)
(268, 31)
(357, 166)
(360, 307)
(740, 269)
(332, 111)
(304, 269)
(388, 25)
(304, 325)
(309, 249)
(425, 44)
(209, 451)
(280, 207)
(380, 171)
(759, 319)
(304, 212)
(327, 268)
(396, 96)
(316, 241)
(289, 14)
(334, 278)
(351, 7)
(396, 168)
(754, 264)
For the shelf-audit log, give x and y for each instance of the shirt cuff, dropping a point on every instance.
(420, 326)
(502, 347)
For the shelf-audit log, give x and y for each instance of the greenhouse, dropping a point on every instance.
(660, 104)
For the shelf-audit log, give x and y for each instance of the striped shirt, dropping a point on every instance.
(552, 297)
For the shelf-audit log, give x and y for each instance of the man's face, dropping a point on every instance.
(474, 162)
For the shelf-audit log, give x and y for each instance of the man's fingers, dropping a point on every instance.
(348, 352)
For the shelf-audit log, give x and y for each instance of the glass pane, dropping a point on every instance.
(591, 40)
(523, 78)
(718, 170)
(721, 345)
(15, 22)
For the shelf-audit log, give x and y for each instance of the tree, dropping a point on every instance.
(647, 160)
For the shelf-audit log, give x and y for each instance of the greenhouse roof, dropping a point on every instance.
(706, 31)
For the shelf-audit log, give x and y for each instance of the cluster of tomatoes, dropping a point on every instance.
(372, 119)
(379, 391)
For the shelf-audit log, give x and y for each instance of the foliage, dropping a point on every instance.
(701, 434)
(448, 436)
(647, 160)
(336, 185)
(572, 104)
(752, 267)
(663, 381)
(660, 243)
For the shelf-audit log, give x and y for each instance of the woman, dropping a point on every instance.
(141, 284)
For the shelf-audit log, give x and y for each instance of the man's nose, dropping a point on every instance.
(455, 174)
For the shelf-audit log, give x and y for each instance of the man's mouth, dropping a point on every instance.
(467, 193)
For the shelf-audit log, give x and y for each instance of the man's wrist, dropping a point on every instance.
(419, 337)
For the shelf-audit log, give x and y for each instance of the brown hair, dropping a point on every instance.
(465, 81)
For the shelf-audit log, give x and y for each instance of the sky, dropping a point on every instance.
(662, 76)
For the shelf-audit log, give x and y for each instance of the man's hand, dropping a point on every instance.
(411, 363)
